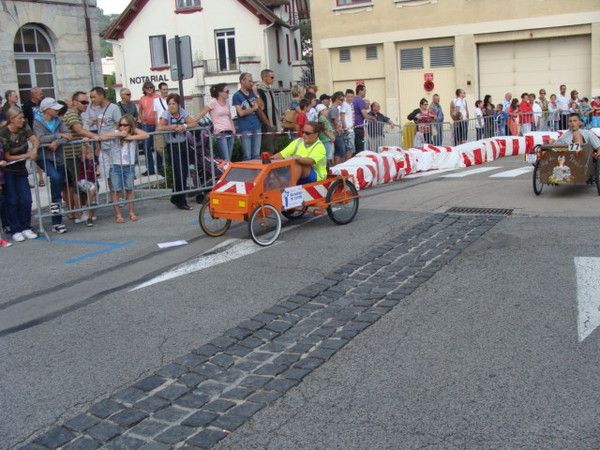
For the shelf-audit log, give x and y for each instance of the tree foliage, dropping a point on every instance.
(102, 22)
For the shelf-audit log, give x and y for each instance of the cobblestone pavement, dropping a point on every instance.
(203, 396)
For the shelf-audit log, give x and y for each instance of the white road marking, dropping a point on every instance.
(232, 249)
(587, 271)
(466, 173)
(426, 174)
(513, 173)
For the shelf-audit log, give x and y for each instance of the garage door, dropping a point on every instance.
(527, 66)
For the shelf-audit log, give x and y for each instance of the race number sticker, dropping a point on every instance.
(292, 197)
(574, 147)
(531, 158)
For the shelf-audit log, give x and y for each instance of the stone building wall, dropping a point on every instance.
(64, 22)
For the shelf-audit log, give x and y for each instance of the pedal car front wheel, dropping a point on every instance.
(537, 181)
(212, 226)
(342, 198)
(264, 225)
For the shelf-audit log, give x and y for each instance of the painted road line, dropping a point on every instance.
(426, 174)
(513, 173)
(587, 271)
(467, 173)
(105, 247)
(226, 251)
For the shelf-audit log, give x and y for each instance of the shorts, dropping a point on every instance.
(595, 121)
(349, 141)
(311, 178)
(339, 146)
(86, 186)
(121, 178)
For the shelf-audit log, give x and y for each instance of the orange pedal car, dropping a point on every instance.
(258, 191)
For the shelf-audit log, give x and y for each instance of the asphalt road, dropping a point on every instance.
(484, 354)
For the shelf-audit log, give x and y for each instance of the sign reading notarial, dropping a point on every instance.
(153, 78)
(292, 197)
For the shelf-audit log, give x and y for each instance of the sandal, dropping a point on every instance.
(133, 217)
(41, 183)
(119, 219)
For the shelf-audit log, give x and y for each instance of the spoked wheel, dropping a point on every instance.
(210, 225)
(293, 214)
(343, 202)
(264, 225)
(537, 181)
(597, 174)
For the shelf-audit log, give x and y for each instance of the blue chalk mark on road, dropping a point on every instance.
(105, 247)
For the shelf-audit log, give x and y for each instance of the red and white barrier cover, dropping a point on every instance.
(362, 171)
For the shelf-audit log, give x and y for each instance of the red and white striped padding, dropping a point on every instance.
(233, 187)
(316, 192)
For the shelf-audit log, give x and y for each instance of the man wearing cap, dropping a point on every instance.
(52, 133)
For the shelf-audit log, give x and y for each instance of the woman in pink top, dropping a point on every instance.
(513, 117)
(220, 115)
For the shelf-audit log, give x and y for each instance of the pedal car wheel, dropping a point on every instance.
(343, 202)
(537, 182)
(210, 225)
(597, 175)
(264, 225)
(293, 214)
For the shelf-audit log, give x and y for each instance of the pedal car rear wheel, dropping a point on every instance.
(293, 214)
(210, 225)
(264, 225)
(537, 182)
(343, 202)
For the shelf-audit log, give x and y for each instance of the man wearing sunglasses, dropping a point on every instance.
(74, 122)
(309, 153)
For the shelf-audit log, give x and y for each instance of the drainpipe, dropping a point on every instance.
(90, 45)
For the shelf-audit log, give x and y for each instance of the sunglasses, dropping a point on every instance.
(123, 124)
(84, 102)
(126, 95)
(309, 132)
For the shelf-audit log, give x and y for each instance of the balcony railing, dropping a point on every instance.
(221, 66)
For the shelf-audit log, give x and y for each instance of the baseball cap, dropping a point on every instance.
(50, 103)
(320, 107)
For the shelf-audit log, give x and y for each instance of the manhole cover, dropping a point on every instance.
(480, 211)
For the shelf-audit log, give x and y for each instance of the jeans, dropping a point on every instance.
(56, 173)
(18, 201)
(250, 141)
(224, 144)
(178, 152)
(339, 146)
(349, 141)
(149, 151)
(437, 138)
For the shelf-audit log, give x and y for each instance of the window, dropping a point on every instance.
(344, 54)
(351, 2)
(441, 56)
(371, 51)
(34, 60)
(158, 51)
(184, 4)
(296, 53)
(226, 55)
(278, 46)
(411, 58)
(287, 43)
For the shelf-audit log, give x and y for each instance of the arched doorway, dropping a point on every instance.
(34, 60)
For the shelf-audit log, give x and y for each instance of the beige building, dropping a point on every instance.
(50, 44)
(483, 46)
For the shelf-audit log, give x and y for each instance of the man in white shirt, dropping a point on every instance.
(506, 101)
(562, 101)
(347, 118)
(160, 105)
(460, 114)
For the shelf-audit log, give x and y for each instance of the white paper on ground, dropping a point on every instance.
(171, 244)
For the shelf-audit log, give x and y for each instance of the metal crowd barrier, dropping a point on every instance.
(186, 167)
(380, 134)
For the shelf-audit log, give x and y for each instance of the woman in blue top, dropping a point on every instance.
(177, 120)
(247, 103)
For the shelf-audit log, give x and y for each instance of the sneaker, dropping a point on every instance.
(59, 228)
(29, 234)
(18, 237)
(94, 218)
(4, 243)
(83, 218)
(55, 208)
(90, 221)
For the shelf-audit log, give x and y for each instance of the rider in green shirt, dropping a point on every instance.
(309, 152)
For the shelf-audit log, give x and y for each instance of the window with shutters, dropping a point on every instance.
(371, 51)
(183, 4)
(411, 58)
(34, 59)
(158, 51)
(344, 54)
(352, 2)
(442, 56)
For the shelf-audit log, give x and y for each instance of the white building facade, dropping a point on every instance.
(228, 37)
(50, 44)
